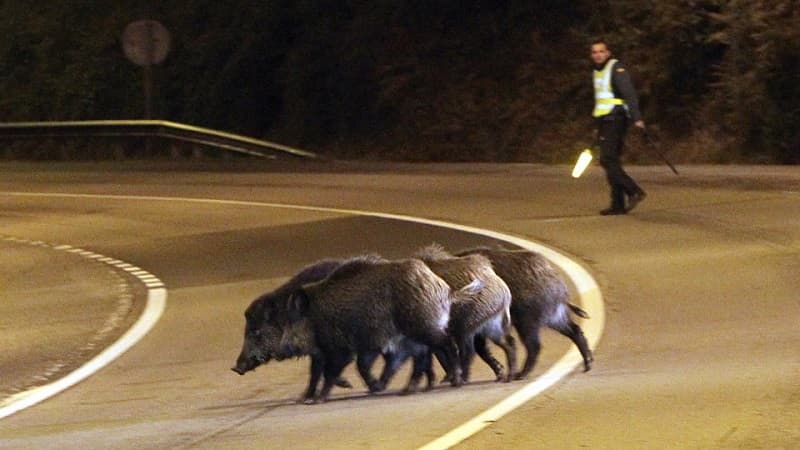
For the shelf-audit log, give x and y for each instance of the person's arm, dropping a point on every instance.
(622, 84)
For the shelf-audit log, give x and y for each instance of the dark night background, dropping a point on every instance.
(421, 80)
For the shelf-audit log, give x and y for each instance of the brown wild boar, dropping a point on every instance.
(366, 307)
(539, 297)
(475, 318)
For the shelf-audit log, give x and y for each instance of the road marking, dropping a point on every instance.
(156, 301)
(588, 290)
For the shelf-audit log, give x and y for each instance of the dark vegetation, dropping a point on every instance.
(431, 80)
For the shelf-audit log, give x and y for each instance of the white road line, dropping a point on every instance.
(156, 302)
(590, 298)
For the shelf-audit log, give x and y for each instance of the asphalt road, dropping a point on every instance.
(700, 283)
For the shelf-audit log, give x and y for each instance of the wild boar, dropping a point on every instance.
(367, 306)
(475, 318)
(539, 297)
(267, 315)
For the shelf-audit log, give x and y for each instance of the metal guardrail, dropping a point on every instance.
(150, 128)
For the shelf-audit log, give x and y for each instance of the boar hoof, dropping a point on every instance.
(376, 386)
(306, 399)
(310, 401)
(343, 383)
(408, 391)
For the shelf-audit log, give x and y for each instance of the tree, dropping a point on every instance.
(756, 97)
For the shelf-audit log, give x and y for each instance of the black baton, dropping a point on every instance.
(658, 151)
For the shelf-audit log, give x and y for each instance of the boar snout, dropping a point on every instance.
(245, 364)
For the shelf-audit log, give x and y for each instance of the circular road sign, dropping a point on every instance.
(145, 42)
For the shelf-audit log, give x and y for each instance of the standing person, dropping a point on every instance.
(615, 103)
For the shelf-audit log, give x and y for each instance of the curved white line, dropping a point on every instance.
(156, 302)
(590, 298)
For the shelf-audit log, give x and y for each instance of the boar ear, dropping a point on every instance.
(297, 304)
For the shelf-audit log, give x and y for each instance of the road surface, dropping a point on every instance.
(700, 284)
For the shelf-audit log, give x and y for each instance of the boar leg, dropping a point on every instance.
(314, 374)
(500, 333)
(466, 350)
(508, 345)
(392, 362)
(343, 383)
(530, 338)
(427, 364)
(335, 362)
(575, 333)
(317, 364)
(364, 362)
(447, 354)
(483, 351)
(423, 365)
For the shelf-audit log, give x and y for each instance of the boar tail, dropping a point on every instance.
(578, 311)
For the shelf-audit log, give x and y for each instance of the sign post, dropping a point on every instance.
(146, 42)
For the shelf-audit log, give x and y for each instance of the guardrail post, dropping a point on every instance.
(175, 151)
(63, 153)
(197, 152)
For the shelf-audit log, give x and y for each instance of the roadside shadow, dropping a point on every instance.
(355, 396)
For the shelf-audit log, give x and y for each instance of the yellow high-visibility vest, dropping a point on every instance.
(604, 100)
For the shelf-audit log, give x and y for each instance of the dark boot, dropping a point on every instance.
(617, 202)
(613, 211)
(635, 199)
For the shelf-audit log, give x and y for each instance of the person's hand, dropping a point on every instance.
(639, 123)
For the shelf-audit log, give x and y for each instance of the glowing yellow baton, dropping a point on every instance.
(583, 162)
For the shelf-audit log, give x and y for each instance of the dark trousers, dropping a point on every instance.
(611, 134)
